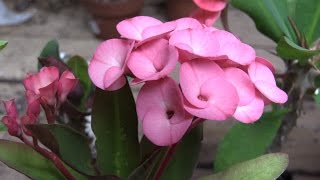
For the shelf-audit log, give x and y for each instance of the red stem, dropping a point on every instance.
(51, 156)
(170, 151)
(165, 161)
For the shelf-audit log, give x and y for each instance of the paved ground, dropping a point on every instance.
(69, 27)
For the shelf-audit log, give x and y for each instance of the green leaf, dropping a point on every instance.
(51, 49)
(2, 127)
(144, 170)
(289, 50)
(79, 66)
(115, 124)
(265, 167)
(310, 10)
(27, 161)
(3, 44)
(186, 156)
(247, 141)
(266, 15)
(70, 145)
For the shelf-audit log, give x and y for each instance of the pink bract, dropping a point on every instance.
(251, 112)
(43, 84)
(108, 64)
(160, 108)
(67, 83)
(153, 60)
(207, 92)
(11, 119)
(211, 5)
(143, 28)
(264, 81)
(206, 17)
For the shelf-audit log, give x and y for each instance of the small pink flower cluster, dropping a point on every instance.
(220, 76)
(46, 88)
(209, 10)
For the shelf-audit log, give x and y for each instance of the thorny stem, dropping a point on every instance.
(171, 149)
(51, 156)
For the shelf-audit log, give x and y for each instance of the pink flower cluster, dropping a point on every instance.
(46, 88)
(220, 76)
(209, 10)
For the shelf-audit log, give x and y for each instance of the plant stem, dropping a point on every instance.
(51, 156)
(170, 151)
(165, 161)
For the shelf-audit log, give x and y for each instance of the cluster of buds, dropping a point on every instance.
(47, 89)
(220, 76)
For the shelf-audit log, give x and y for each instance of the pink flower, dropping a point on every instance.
(264, 81)
(108, 64)
(67, 83)
(144, 28)
(251, 105)
(11, 119)
(43, 84)
(211, 5)
(160, 109)
(209, 10)
(47, 88)
(206, 17)
(215, 45)
(207, 92)
(153, 60)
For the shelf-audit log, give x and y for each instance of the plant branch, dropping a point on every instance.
(51, 156)
(171, 149)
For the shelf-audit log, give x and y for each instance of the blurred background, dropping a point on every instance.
(80, 25)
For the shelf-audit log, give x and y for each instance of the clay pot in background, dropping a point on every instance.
(107, 14)
(180, 8)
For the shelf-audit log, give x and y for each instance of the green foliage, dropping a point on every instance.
(115, 124)
(287, 49)
(186, 156)
(267, 15)
(79, 67)
(265, 167)
(70, 145)
(3, 44)
(271, 17)
(51, 49)
(247, 141)
(27, 161)
(306, 14)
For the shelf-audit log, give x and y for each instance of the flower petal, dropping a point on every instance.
(222, 98)
(271, 91)
(193, 74)
(241, 81)
(251, 112)
(211, 5)
(206, 17)
(153, 60)
(132, 28)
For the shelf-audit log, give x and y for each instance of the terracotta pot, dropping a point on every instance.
(180, 8)
(107, 15)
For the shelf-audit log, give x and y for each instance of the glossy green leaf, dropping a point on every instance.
(268, 19)
(265, 167)
(186, 156)
(307, 18)
(79, 66)
(115, 124)
(27, 161)
(247, 141)
(3, 44)
(70, 145)
(51, 49)
(289, 50)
